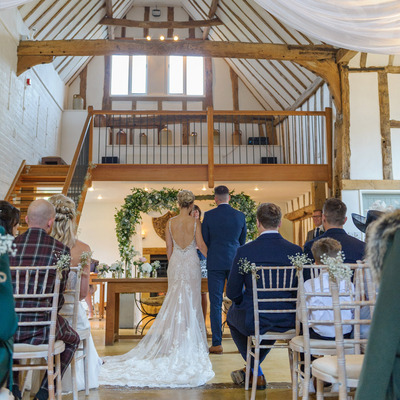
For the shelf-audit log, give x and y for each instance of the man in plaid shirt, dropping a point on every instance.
(36, 248)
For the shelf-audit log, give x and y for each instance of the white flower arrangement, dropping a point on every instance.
(103, 268)
(145, 268)
(117, 266)
(155, 265)
(7, 245)
(85, 257)
(246, 267)
(336, 268)
(299, 260)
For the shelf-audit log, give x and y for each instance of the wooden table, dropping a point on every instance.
(130, 285)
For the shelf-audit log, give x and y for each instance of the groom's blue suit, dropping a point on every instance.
(224, 230)
(268, 249)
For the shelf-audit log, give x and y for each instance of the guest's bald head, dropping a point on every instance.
(41, 214)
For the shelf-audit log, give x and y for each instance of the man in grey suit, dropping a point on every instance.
(224, 230)
(318, 227)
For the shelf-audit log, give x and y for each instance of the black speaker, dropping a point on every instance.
(261, 140)
(110, 160)
(269, 160)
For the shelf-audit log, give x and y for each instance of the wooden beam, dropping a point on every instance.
(235, 89)
(304, 212)
(146, 17)
(310, 91)
(318, 195)
(384, 112)
(109, 14)
(106, 104)
(170, 17)
(188, 48)
(209, 101)
(83, 85)
(356, 184)
(344, 55)
(30, 61)
(129, 23)
(199, 173)
(363, 60)
(211, 13)
(394, 124)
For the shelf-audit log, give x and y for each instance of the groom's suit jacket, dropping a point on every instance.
(224, 230)
(268, 249)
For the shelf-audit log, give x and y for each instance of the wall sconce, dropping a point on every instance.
(143, 233)
(176, 38)
(162, 38)
(148, 38)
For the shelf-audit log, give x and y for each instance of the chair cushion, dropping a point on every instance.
(59, 347)
(328, 365)
(317, 343)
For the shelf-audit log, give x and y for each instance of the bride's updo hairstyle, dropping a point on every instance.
(64, 227)
(185, 198)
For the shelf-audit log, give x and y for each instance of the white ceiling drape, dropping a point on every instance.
(12, 3)
(371, 26)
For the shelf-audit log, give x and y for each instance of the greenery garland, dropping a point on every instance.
(142, 201)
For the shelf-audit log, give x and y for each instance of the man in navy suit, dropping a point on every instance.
(333, 219)
(270, 248)
(224, 230)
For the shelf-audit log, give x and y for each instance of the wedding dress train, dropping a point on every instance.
(174, 352)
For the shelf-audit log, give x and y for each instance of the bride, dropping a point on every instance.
(174, 352)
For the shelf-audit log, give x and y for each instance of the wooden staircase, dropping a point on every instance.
(33, 182)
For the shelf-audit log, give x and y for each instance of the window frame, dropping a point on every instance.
(184, 77)
(130, 77)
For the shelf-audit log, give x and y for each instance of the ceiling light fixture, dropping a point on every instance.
(91, 189)
(256, 188)
(162, 37)
(99, 197)
(148, 37)
(176, 38)
(146, 189)
(156, 12)
(204, 188)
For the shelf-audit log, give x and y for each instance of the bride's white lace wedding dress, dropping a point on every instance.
(174, 352)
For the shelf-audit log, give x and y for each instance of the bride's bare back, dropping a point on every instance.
(182, 230)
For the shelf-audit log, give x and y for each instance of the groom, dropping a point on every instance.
(224, 230)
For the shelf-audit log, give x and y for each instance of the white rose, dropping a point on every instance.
(146, 267)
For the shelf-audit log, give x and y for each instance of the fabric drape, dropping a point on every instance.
(12, 3)
(371, 26)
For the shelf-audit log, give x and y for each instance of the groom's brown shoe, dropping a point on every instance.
(216, 349)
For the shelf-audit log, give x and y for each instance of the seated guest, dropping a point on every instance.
(37, 247)
(9, 218)
(329, 247)
(64, 230)
(333, 219)
(270, 248)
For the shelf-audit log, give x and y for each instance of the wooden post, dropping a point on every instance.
(90, 111)
(107, 83)
(146, 17)
(170, 31)
(384, 113)
(318, 195)
(210, 129)
(328, 123)
(82, 85)
(209, 82)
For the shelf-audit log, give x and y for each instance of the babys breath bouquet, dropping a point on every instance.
(117, 268)
(336, 268)
(246, 267)
(63, 262)
(299, 260)
(6, 245)
(85, 257)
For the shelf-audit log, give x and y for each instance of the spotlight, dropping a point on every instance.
(148, 37)
(162, 37)
(256, 188)
(146, 189)
(176, 38)
(91, 189)
(99, 197)
(204, 188)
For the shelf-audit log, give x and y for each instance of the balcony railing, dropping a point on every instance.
(184, 137)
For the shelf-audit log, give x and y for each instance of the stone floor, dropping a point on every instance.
(275, 367)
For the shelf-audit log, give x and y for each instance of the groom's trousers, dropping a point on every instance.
(216, 283)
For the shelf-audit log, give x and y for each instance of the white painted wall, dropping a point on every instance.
(30, 116)
(365, 142)
(71, 126)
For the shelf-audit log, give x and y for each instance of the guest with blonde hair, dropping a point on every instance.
(64, 229)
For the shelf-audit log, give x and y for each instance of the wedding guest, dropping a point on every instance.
(8, 324)
(333, 219)
(380, 378)
(269, 249)
(318, 227)
(224, 230)
(196, 213)
(64, 230)
(9, 218)
(37, 247)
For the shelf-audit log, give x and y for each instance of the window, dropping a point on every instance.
(128, 75)
(186, 75)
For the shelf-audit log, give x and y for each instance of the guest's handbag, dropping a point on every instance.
(9, 321)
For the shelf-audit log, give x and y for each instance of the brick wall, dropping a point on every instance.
(30, 116)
